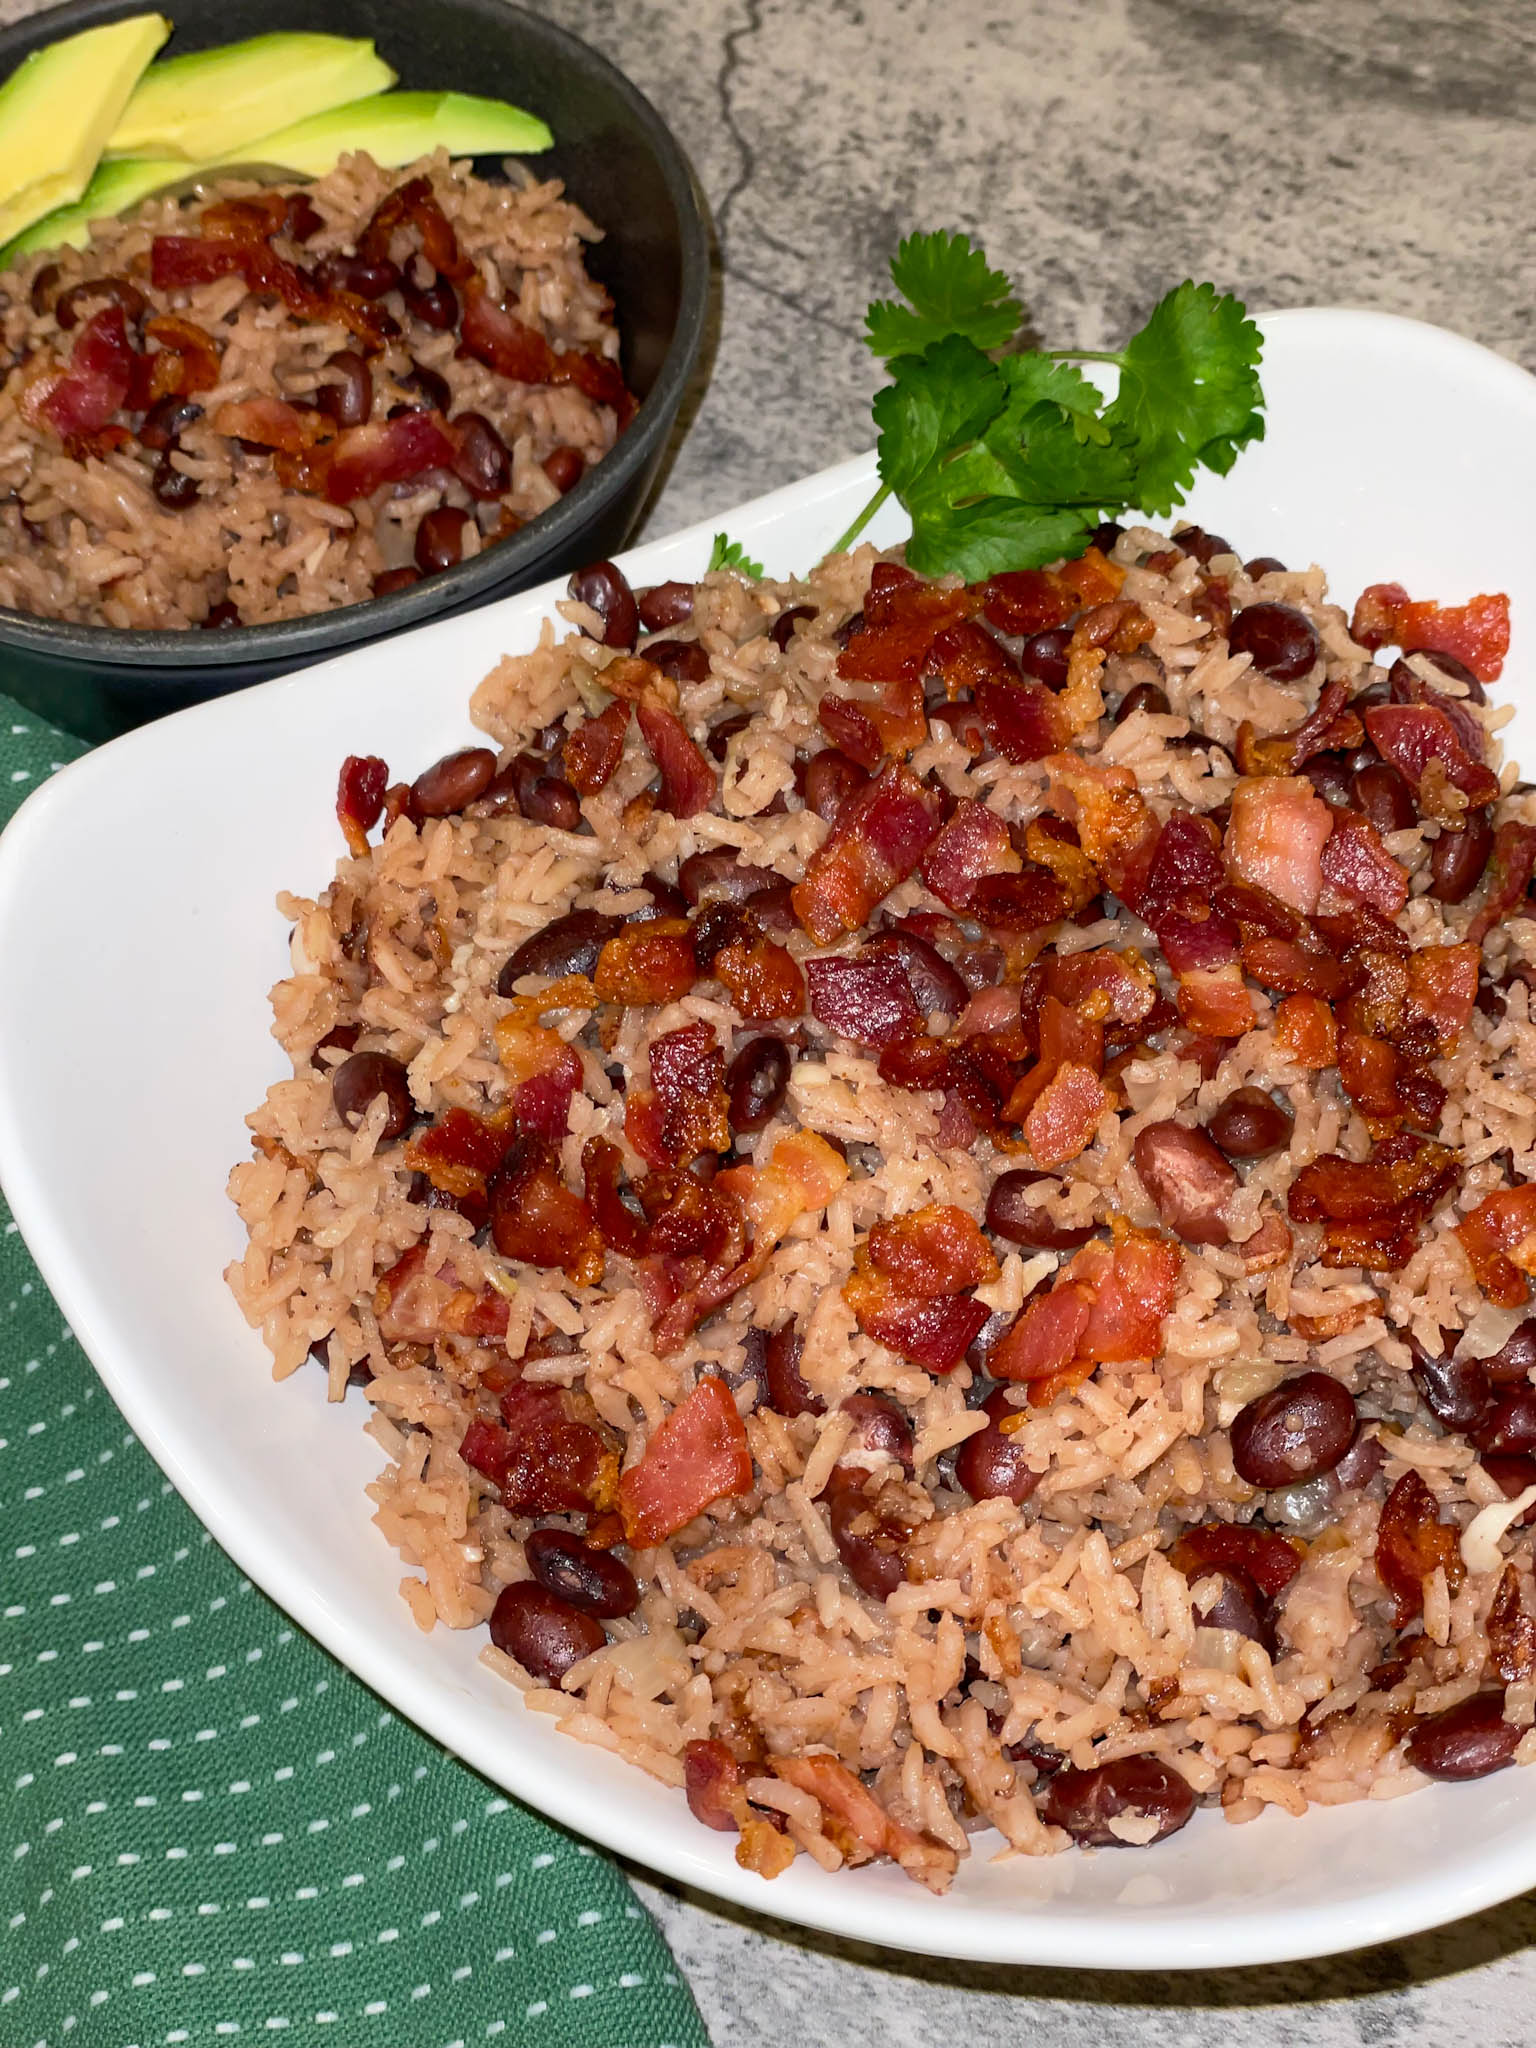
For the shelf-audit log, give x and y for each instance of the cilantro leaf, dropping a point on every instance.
(950, 290)
(730, 554)
(1189, 393)
(938, 402)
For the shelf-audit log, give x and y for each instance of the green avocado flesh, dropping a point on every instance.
(118, 184)
(395, 128)
(57, 110)
(206, 106)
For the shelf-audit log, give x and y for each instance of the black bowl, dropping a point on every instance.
(620, 163)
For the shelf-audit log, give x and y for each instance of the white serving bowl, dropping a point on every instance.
(138, 938)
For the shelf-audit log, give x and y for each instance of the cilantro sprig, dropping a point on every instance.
(730, 554)
(1009, 460)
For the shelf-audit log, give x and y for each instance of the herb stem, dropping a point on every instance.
(841, 546)
(1083, 355)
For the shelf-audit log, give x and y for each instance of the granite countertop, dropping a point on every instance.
(1332, 152)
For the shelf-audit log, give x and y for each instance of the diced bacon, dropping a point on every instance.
(1051, 843)
(1355, 862)
(848, 725)
(901, 621)
(1110, 987)
(972, 844)
(688, 1076)
(1186, 868)
(360, 799)
(932, 1251)
(602, 1165)
(990, 1009)
(1064, 1117)
(1269, 1558)
(1192, 944)
(1023, 719)
(933, 1333)
(965, 655)
(1442, 990)
(687, 779)
(1216, 1002)
(1024, 602)
(1046, 1336)
(697, 1456)
(1114, 822)
(97, 380)
(1509, 877)
(1095, 578)
(178, 262)
(867, 998)
(537, 1219)
(1269, 1246)
(1293, 970)
(1066, 1036)
(649, 962)
(1499, 1239)
(595, 748)
(383, 452)
(714, 1783)
(1315, 735)
(416, 1304)
(860, 1818)
(1412, 1542)
(1133, 1282)
(270, 422)
(187, 359)
(879, 837)
(416, 203)
(761, 978)
(1279, 828)
(545, 1459)
(1411, 736)
(1476, 632)
(501, 341)
(460, 1152)
(1028, 901)
(1369, 1071)
(1338, 1190)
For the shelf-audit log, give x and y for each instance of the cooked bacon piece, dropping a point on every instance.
(697, 1456)
(1186, 868)
(1442, 990)
(901, 622)
(1511, 1631)
(1332, 1189)
(1045, 1337)
(1292, 970)
(1203, 943)
(1476, 632)
(1029, 901)
(862, 1827)
(1269, 1558)
(595, 748)
(1411, 1542)
(1093, 576)
(850, 728)
(418, 1305)
(934, 1333)
(501, 341)
(714, 1784)
(97, 380)
(1064, 1117)
(1509, 877)
(1329, 727)
(1305, 1031)
(689, 1220)
(537, 1219)
(1109, 987)
(973, 844)
(1115, 825)
(382, 452)
(867, 998)
(1133, 1281)
(460, 1152)
(360, 799)
(1065, 1036)
(1216, 1002)
(1411, 736)
(1499, 1239)
(1355, 862)
(271, 423)
(1370, 1070)
(545, 1456)
(187, 359)
(1276, 838)
(1023, 719)
(932, 1251)
(649, 962)
(1029, 601)
(688, 1076)
(879, 837)
(964, 656)
(621, 1228)
(415, 201)
(687, 779)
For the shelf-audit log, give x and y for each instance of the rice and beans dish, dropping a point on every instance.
(929, 1188)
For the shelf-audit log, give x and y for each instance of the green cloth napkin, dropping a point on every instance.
(212, 1832)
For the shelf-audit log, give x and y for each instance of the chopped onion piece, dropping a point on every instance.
(1480, 1538)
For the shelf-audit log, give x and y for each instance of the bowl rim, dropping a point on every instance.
(490, 573)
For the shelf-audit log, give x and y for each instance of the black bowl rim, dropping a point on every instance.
(512, 563)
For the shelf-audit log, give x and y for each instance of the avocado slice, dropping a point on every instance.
(58, 108)
(395, 128)
(118, 184)
(205, 106)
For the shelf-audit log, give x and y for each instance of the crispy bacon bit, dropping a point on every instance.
(1269, 1246)
(188, 358)
(460, 1151)
(382, 452)
(501, 341)
(536, 1218)
(360, 799)
(714, 1783)
(1305, 1032)
(687, 780)
(1064, 1117)
(650, 962)
(1511, 1631)
(1114, 823)
(1107, 1307)
(761, 978)
(1065, 1036)
(1217, 1002)
(879, 837)
(901, 622)
(1029, 901)
(973, 844)
(932, 1251)
(271, 423)
(1282, 965)
(688, 1075)
(1023, 719)
(867, 997)
(1499, 1239)
(1374, 1209)
(415, 202)
(932, 1333)
(1476, 632)
(1442, 991)
(1269, 1558)
(1109, 987)
(1411, 1542)
(849, 726)
(964, 656)
(1276, 838)
(862, 1827)
(623, 1229)
(97, 380)
(1412, 736)
(1045, 1338)
(1029, 601)
(594, 749)
(698, 1455)
(546, 1455)
(1355, 862)
(1510, 868)
(417, 1305)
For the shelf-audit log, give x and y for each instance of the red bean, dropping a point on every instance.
(721, 734)
(1282, 641)
(606, 590)
(342, 1039)
(368, 277)
(991, 1465)
(546, 798)
(358, 1081)
(685, 661)
(788, 1393)
(302, 220)
(831, 778)
(568, 945)
(1105, 535)
(1249, 1124)
(1239, 1606)
(1011, 1214)
(1517, 1355)
(172, 487)
(390, 580)
(440, 539)
(665, 604)
(718, 873)
(1510, 1430)
(1330, 776)
(935, 984)
(1457, 859)
(45, 288)
(880, 1426)
(1385, 798)
(1263, 565)
(594, 1580)
(1044, 656)
(162, 424)
(546, 1634)
(1295, 1432)
(755, 1083)
(219, 617)
(1144, 697)
(1455, 1390)
(872, 1548)
(1130, 1788)
(669, 901)
(1470, 1740)
(115, 291)
(565, 467)
(784, 625)
(483, 464)
(448, 785)
(1188, 1179)
(435, 304)
(347, 395)
(429, 385)
(1205, 547)
(1403, 682)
